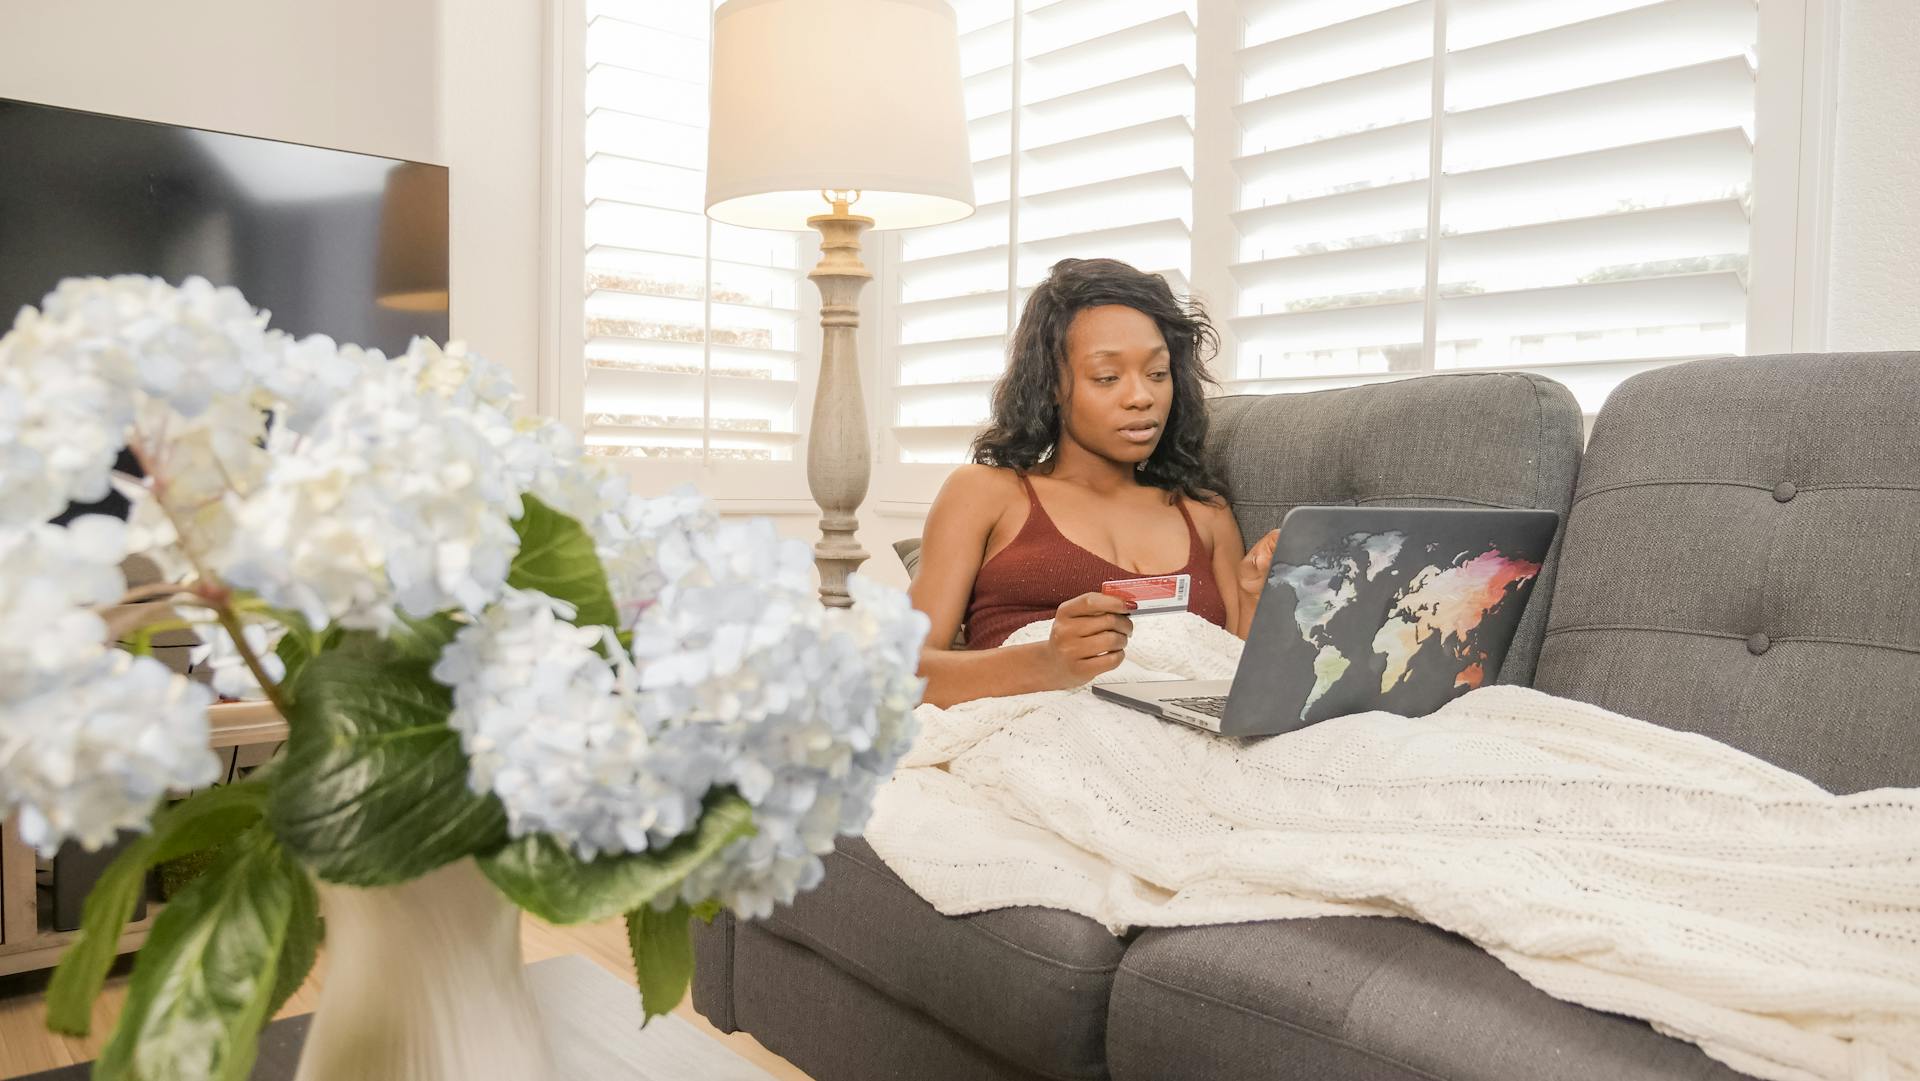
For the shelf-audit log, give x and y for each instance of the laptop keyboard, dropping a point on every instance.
(1212, 706)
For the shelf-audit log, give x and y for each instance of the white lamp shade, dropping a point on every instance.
(837, 94)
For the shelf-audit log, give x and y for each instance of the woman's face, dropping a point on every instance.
(1117, 388)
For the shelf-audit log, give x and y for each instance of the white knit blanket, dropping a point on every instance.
(1608, 861)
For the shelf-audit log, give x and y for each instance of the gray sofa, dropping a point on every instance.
(1741, 558)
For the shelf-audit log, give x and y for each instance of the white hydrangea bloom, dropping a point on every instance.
(49, 575)
(89, 737)
(546, 461)
(311, 374)
(465, 379)
(550, 726)
(648, 542)
(185, 345)
(62, 422)
(382, 488)
(754, 685)
(739, 678)
(203, 461)
(93, 753)
(104, 362)
(811, 768)
(396, 499)
(231, 676)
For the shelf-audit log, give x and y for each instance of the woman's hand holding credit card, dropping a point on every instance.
(1089, 637)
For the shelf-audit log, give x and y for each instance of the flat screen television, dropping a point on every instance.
(349, 245)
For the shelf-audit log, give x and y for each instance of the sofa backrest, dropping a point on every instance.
(1743, 561)
(1490, 440)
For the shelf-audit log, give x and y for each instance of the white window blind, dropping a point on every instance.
(1591, 217)
(1081, 118)
(691, 325)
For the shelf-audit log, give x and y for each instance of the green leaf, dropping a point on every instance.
(203, 983)
(297, 646)
(708, 910)
(409, 639)
(557, 558)
(662, 946)
(201, 821)
(140, 643)
(418, 640)
(372, 789)
(305, 931)
(541, 876)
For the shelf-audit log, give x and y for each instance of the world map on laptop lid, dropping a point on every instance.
(1446, 603)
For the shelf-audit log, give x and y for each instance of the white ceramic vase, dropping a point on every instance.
(424, 982)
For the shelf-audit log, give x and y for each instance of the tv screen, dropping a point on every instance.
(330, 242)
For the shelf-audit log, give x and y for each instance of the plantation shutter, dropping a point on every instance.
(691, 325)
(1592, 213)
(1104, 165)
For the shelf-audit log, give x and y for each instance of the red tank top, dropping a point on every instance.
(1030, 578)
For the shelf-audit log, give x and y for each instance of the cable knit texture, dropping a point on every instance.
(1607, 861)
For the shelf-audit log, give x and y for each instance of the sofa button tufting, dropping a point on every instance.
(1784, 491)
(1759, 644)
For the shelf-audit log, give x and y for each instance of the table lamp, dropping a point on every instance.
(410, 274)
(818, 107)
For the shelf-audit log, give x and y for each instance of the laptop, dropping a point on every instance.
(1367, 608)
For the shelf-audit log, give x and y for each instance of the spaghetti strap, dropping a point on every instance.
(1192, 529)
(1035, 509)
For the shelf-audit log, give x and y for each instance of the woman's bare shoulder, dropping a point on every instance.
(977, 483)
(1214, 515)
(1209, 506)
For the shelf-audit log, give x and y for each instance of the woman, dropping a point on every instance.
(1090, 470)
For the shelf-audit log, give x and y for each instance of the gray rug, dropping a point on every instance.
(593, 1020)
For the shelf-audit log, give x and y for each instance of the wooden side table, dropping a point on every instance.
(27, 938)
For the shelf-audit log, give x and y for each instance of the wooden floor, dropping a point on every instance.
(27, 1047)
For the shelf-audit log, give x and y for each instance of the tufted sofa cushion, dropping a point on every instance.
(1743, 560)
(1499, 440)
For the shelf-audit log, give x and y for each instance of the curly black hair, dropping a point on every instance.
(1025, 429)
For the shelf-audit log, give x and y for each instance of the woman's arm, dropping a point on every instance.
(1089, 631)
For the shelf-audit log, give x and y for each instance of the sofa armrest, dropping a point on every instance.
(713, 971)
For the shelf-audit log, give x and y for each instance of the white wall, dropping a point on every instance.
(349, 74)
(492, 95)
(398, 78)
(1873, 272)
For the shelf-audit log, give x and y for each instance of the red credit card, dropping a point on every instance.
(1161, 593)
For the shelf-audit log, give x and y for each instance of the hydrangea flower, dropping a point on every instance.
(397, 500)
(201, 464)
(90, 738)
(545, 460)
(648, 543)
(310, 375)
(218, 654)
(839, 693)
(129, 731)
(739, 678)
(551, 727)
(49, 577)
(802, 709)
(463, 379)
(61, 423)
(184, 345)
(352, 489)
